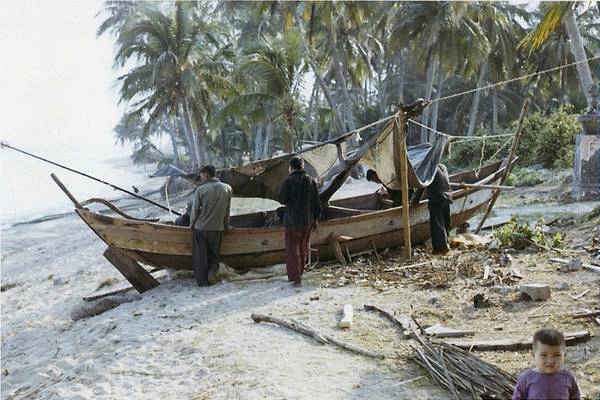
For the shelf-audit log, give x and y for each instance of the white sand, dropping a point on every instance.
(180, 341)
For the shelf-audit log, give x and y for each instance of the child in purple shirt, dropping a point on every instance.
(547, 381)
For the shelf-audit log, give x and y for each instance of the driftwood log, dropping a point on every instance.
(321, 337)
(402, 321)
(102, 305)
(571, 338)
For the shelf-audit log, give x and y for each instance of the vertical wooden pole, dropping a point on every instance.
(511, 154)
(400, 136)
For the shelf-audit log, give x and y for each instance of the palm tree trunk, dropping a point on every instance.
(173, 136)
(187, 133)
(400, 67)
(475, 103)
(340, 73)
(428, 89)
(319, 77)
(258, 143)
(583, 68)
(494, 109)
(266, 154)
(434, 111)
(316, 116)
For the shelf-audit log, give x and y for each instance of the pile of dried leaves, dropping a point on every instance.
(424, 270)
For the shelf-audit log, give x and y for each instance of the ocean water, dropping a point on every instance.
(28, 191)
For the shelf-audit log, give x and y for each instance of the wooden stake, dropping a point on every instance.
(400, 144)
(513, 150)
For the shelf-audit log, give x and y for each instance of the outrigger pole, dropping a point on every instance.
(4, 144)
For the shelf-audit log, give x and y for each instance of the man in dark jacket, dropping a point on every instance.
(209, 217)
(300, 196)
(440, 198)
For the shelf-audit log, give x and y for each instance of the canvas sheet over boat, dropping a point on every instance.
(330, 163)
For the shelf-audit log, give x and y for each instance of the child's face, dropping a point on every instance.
(548, 359)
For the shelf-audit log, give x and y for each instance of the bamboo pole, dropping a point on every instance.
(513, 150)
(402, 169)
(480, 186)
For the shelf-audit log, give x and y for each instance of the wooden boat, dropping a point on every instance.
(350, 225)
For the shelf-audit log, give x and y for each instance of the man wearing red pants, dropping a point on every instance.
(300, 196)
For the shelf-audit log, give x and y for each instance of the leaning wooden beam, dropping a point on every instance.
(334, 243)
(321, 337)
(571, 339)
(481, 186)
(511, 155)
(139, 278)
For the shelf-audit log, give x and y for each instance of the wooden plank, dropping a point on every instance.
(440, 331)
(337, 249)
(572, 338)
(139, 278)
(509, 159)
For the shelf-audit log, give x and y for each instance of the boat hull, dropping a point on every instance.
(168, 246)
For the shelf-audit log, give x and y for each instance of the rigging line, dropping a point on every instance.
(516, 79)
(466, 138)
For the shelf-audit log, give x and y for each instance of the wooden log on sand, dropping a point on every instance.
(321, 337)
(571, 338)
(402, 321)
(102, 305)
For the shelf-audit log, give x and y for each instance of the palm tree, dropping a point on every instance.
(556, 14)
(271, 67)
(170, 45)
(444, 36)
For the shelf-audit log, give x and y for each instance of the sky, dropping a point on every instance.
(56, 78)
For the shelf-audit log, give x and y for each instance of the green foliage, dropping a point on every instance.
(595, 213)
(519, 235)
(463, 155)
(524, 177)
(548, 141)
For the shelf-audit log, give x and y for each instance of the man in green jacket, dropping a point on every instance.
(209, 217)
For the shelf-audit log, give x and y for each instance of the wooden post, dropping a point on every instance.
(402, 170)
(511, 155)
(139, 278)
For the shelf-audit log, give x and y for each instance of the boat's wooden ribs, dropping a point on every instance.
(139, 278)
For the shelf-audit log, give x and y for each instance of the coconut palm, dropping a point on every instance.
(556, 14)
(271, 68)
(170, 45)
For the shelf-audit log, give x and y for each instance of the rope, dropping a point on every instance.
(516, 79)
(358, 130)
(466, 138)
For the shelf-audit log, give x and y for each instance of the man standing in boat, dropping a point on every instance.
(440, 198)
(209, 217)
(300, 196)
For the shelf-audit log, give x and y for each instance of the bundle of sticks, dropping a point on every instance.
(461, 372)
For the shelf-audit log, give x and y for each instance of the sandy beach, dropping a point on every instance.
(179, 341)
